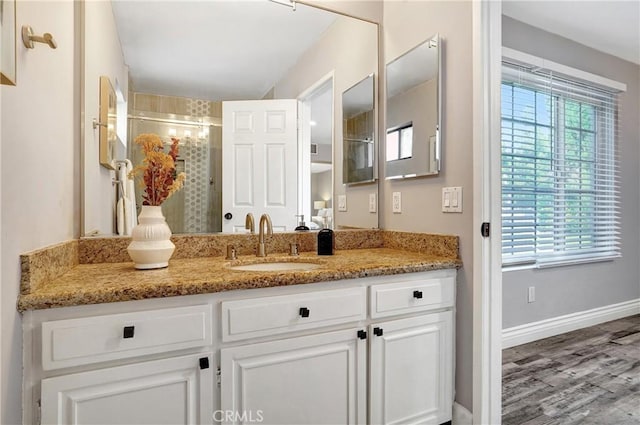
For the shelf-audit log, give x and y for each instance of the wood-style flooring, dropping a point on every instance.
(589, 376)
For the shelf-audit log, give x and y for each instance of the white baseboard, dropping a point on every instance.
(461, 416)
(570, 322)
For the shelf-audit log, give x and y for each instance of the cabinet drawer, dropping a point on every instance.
(75, 342)
(274, 315)
(408, 296)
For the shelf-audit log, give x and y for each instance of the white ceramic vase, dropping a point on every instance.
(151, 245)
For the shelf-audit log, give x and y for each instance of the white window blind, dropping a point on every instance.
(560, 182)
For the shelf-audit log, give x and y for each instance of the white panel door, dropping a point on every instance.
(412, 370)
(318, 379)
(259, 162)
(172, 391)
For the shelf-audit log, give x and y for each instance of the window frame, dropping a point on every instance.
(399, 129)
(559, 103)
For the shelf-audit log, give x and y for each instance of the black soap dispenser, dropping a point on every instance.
(301, 226)
(326, 242)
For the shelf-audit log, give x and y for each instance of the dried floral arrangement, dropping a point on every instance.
(158, 170)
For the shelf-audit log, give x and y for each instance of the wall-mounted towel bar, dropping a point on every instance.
(28, 38)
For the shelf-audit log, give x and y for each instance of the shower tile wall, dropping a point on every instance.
(196, 189)
(197, 208)
(198, 108)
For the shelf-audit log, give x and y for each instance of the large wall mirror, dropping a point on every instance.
(215, 75)
(413, 112)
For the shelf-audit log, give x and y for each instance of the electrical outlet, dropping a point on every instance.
(397, 202)
(531, 294)
(342, 203)
(373, 204)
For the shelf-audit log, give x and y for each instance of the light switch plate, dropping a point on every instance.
(373, 204)
(452, 199)
(397, 202)
(342, 203)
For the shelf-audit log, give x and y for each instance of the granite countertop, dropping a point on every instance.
(114, 282)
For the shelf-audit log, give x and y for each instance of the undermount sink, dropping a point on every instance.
(275, 266)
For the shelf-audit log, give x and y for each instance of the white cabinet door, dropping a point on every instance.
(318, 379)
(178, 390)
(412, 370)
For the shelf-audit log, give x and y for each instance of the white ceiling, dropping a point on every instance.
(214, 49)
(609, 26)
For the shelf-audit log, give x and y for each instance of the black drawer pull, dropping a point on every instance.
(417, 294)
(377, 331)
(204, 362)
(128, 331)
(362, 334)
(304, 312)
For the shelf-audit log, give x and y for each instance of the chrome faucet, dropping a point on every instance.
(249, 224)
(264, 219)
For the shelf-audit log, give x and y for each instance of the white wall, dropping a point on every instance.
(103, 56)
(405, 25)
(325, 153)
(565, 290)
(320, 190)
(39, 165)
(349, 48)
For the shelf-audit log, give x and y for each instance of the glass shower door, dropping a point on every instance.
(197, 207)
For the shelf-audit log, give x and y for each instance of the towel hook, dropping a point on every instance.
(97, 124)
(28, 38)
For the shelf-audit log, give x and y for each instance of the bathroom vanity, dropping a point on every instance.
(369, 341)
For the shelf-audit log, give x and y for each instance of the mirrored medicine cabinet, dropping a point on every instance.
(413, 139)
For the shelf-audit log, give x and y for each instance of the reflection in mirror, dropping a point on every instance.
(317, 106)
(358, 132)
(108, 124)
(199, 157)
(413, 138)
(176, 81)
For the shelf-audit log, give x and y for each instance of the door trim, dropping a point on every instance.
(304, 142)
(487, 272)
